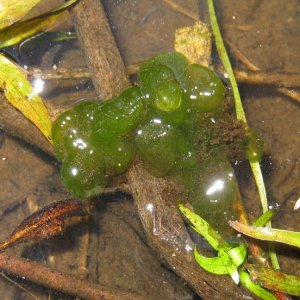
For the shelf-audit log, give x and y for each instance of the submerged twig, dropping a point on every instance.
(18, 285)
(290, 93)
(58, 73)
(252, 67)
(182, 10)
(95, 36)
(261, 77)
(279, 79)
(47, 277)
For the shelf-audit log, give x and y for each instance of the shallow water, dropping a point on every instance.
(266, 33)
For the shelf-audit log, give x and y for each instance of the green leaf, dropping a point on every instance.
(22, 30)
(228, 258)
(21, 95)
(12, 11)
(213, 265)
(203, 228)
(275, 280)
(256, 289)
(268, 234)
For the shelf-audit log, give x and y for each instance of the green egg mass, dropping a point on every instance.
(168, 122)
(205, 89)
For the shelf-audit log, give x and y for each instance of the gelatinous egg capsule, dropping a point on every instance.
(204, 88)
(215, 192)
(83, 173)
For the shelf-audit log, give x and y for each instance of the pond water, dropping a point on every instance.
(111, 247)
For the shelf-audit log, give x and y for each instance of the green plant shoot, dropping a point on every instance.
(229, 260)
(240, 114)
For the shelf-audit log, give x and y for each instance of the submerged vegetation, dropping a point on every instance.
(176, 122)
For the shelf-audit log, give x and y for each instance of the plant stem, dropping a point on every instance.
(240, 114)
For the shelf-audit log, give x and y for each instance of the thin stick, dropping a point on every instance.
(237, 53)
(182, 10)
(261, 77)
(290, 93)
(279, 79)
(49, 278)
(58, 74)
(252, 76)
(283, 90)
(18, 285)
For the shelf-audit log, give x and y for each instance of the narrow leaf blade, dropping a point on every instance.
(21, 95)
(19, 31)
(22, 30)
(268, 234)
(213, 265)
(203, 228)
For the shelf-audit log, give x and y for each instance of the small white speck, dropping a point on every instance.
(150, 207)
(74, 171)
(188, 248)
(54, 67)
(297, 204)
(38, 86)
